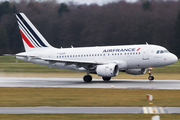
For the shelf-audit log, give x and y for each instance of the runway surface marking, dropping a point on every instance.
(153, 110)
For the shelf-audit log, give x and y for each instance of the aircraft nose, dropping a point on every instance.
(173, 58)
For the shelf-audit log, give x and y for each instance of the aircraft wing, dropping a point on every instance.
(71, 61)
(53, 60)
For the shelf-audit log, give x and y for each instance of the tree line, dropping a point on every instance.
(118, 23)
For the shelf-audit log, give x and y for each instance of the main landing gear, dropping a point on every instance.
(150, 76)
(106, 78)
(87, 78)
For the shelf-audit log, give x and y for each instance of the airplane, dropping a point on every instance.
(105, 61)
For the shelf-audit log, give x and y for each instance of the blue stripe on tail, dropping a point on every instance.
(36, 44)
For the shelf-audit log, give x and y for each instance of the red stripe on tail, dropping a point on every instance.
(26, 40)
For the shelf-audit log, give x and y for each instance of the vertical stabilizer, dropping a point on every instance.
(32, 38)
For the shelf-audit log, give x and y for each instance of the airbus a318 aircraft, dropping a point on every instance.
(105, 61)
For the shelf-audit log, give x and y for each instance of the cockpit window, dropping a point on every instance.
(166, 51)
(157, 52)
(162, 51)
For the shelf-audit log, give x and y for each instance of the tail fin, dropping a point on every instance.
(32, 38)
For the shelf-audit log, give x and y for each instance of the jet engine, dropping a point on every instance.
(136, 71)
(108, 70)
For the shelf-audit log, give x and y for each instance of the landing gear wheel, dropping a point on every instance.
(150, 72)
(87, 78)
(151, 78)
(106, 78)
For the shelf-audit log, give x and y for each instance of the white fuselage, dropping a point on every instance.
(126, 56)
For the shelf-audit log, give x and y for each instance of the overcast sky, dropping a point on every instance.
(100, 2)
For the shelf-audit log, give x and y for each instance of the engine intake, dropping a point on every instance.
(136, 71)
(108, 70)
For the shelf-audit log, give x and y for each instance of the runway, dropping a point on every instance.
(89, 110)
(96, 83)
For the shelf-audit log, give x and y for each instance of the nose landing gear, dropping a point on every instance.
(150, 76)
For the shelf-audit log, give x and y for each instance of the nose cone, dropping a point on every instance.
(173, 58)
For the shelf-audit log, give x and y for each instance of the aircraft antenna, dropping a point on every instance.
(146, 43)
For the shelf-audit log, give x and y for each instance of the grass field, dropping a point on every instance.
(18, 97)
(88, 117)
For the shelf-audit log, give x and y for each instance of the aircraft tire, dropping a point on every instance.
(151, 78)
(87, 78)
(106, 78)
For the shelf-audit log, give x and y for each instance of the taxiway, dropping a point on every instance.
(88, 110)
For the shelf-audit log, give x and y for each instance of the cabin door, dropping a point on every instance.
(146, 53)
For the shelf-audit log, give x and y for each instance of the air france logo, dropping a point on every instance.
(138, 49)
(121, 50)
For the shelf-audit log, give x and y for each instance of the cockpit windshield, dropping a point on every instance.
(162, 51)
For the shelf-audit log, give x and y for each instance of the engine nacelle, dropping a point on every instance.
(136, 71)
(108, 70)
